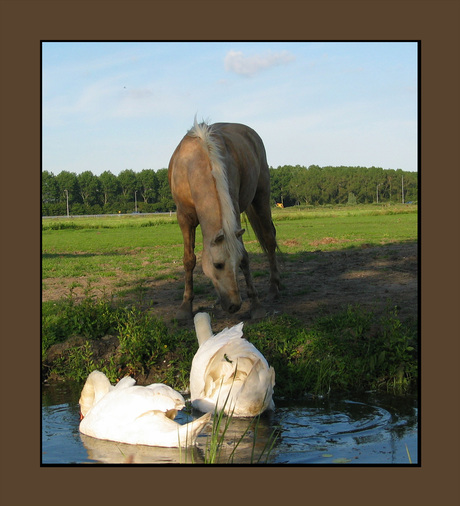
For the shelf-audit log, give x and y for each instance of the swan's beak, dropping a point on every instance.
(81, 416)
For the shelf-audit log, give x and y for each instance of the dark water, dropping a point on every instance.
(369, 429)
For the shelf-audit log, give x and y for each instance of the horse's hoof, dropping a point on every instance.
(273, 294)
(183, 314)
(258, 312)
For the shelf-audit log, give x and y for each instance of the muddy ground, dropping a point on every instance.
(319, 282)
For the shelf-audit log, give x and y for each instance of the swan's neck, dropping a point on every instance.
(202, 327)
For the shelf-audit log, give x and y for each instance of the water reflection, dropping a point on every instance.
(371, 429)
(110, 452)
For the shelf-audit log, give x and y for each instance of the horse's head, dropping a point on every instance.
(221, 260)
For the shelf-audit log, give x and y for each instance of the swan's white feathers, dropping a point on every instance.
(134, 414)
(125, 382)
(230, 372)
(97, 385)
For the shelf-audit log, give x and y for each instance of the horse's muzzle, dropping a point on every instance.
(230, 304)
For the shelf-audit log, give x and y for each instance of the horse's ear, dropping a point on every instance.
(240, 232)
(218, 238)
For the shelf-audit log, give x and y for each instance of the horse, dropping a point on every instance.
(216, 173)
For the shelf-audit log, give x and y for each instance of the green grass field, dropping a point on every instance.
(150, 245)
(350, 349)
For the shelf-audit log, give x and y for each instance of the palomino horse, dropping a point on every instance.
(217, 172)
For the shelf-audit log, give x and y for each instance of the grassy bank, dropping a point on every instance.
(350, 350)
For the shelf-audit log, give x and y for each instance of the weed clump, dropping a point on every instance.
(91, 318)
(76, 336)
(347, 351)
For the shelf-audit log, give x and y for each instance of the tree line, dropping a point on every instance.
(342, 185)
(148, 191)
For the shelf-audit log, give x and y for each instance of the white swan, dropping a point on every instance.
(134, 414)
(229, 372)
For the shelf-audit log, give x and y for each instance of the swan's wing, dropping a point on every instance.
(209, 348)
(206, 365)
(150, 428)
(228, 333)
(128, 403)
(234, 361)
(218, 359)
(125, 382)
(256, 393)
(219, 369)
(229, 365)
(165, 397)
(248, 390)
(156, 429)
(157, 397)
(243, 352)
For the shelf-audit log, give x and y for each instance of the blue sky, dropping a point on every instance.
(125, 105)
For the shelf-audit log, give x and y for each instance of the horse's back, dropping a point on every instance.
(241, 150)
(243, 138)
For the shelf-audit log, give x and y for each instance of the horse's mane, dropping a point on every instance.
(219, 172)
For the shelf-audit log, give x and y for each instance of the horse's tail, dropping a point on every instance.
(260, 231)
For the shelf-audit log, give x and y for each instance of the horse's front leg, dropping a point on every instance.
(257, 310)
(188, 231)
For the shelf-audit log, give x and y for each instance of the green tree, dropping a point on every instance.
(298, 187)
(110, 187)
(315, 185)
(165, 201)
(50, 189)
(280, 179)
(128, 183)
(409, 185)
(89, 186)
(148, 183)
(68, 183)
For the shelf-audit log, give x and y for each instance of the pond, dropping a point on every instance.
(371, 428)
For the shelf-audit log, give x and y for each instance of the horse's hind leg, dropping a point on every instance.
(188, 232)
(257, 310)
(260, 217)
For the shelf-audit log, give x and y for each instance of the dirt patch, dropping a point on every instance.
(291, 242)
(328, 240)
(314, 283)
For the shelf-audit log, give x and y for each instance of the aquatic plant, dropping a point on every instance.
(216, 444)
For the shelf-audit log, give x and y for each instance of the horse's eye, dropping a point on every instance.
(219, 266)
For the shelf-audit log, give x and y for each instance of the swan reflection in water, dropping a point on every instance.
(111, 452)
(246, 441)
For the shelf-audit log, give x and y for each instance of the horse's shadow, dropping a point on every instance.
(313, 283)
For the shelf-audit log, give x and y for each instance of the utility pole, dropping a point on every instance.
(402, 189)
(135, 201)
(378, 192)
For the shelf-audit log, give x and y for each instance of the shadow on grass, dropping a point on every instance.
(314, 283)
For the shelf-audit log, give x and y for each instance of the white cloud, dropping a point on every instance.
(236, 61)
